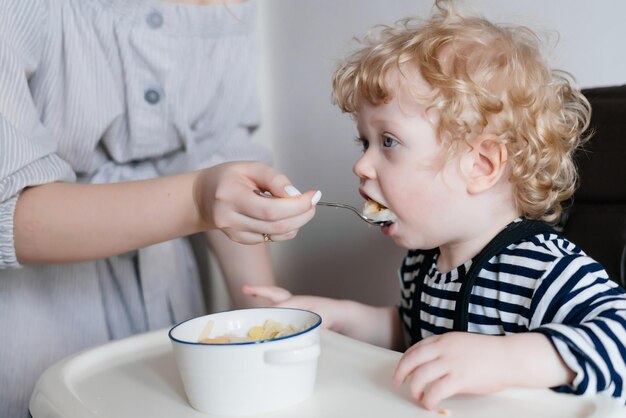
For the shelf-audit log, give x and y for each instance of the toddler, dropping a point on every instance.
(467, 138)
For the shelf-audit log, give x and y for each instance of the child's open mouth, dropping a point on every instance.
(378, 212)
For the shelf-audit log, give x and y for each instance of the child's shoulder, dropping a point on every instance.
(547, 256)
(554, 244)
(543, 247)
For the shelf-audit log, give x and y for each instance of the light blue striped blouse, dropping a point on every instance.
(106, 91)
(543, 284)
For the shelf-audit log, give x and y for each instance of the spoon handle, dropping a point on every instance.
(335, 205)
(355, 210)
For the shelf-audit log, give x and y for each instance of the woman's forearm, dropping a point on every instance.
(61, 222)
(242, 264)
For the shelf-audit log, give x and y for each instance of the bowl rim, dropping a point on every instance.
(239, 343)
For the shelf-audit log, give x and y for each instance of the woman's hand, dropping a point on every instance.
(225, 198)
(441, 366)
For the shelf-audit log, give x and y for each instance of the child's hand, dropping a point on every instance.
(225, 199)
(328, 309)
(375, 325)
(441, 366)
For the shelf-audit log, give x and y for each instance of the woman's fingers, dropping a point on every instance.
(277, 208)
(237, 226)
(265, 178)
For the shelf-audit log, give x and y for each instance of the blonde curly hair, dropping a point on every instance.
(480, 73)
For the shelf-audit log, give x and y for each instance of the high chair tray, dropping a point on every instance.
(137, 377)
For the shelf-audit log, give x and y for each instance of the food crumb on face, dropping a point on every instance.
(444, 412)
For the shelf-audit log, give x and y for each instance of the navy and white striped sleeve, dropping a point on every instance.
(27, 149)
(584, 314)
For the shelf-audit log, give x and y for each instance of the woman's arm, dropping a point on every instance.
(241, 264)
(61, 222)
(65, 222)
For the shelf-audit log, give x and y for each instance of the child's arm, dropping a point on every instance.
(583, 313)
(375, 325)
(63, 222)
(444, 365)
(577, 319)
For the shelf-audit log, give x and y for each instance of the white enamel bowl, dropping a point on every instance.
(247, 377)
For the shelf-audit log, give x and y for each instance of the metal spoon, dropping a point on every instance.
(338, 205)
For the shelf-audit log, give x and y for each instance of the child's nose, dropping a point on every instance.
(364, 168)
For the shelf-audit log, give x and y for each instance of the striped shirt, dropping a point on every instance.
(543, 284)
(103, 91)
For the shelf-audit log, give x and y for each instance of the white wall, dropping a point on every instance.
(301, 43)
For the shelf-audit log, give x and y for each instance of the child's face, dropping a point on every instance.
(405, 168)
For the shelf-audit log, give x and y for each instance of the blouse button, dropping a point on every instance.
(155, 20)
(152, 96)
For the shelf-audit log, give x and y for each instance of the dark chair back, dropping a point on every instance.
(596, 218)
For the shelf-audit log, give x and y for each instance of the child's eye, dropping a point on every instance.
(389, 142)
(362, 142)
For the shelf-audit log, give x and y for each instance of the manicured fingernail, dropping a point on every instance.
(316, 197)
(292, 191)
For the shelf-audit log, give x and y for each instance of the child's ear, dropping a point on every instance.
(484, 163)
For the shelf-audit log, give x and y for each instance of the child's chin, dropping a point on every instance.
(400, 239)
